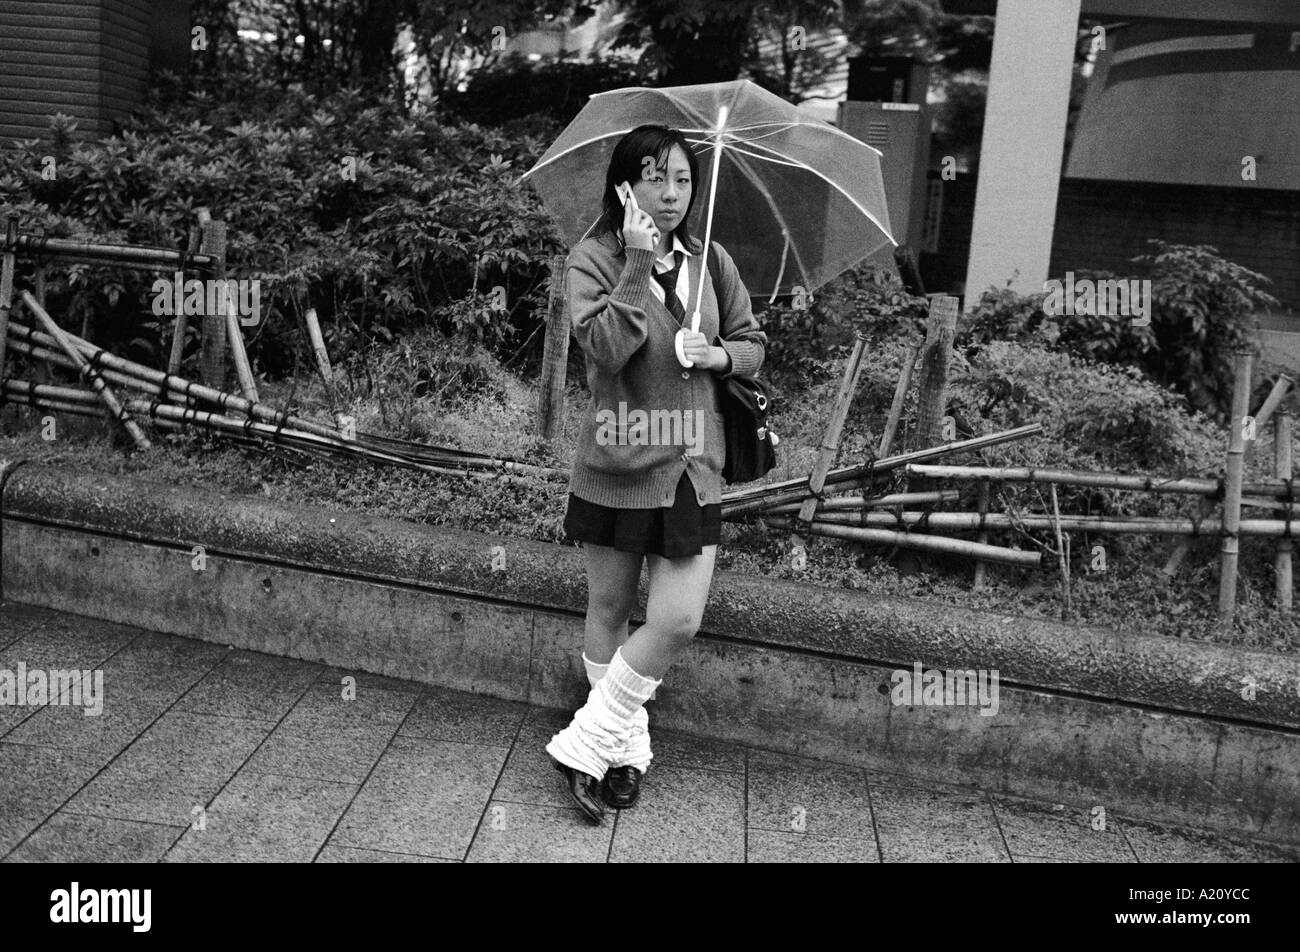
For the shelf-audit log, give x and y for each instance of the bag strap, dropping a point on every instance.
(713, 279)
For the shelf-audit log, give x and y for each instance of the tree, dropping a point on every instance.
(798, 66)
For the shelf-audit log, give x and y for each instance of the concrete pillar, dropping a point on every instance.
(1024, 138)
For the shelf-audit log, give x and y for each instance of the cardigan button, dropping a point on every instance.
(686, 375)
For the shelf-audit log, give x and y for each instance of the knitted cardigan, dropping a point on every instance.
(650, 419)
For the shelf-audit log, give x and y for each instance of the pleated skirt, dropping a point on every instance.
(674, 532)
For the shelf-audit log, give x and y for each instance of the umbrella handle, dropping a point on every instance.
(708, 226)
(679, 345)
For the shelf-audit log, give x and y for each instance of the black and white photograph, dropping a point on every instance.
(650, 431)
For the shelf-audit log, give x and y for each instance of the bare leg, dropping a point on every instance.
(679, 589)
(612, 578)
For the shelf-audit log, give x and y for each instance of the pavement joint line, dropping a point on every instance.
(40, 707)
(997, 821)
(113, 759)
(1129, 843)
(119, 819)
(230, 652)
(613, 835)
(371, 849)
(875, 823)
(415, 701)
(519, 728)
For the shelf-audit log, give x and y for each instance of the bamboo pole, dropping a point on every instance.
(909, 540)
(555, 354)
(180, 387)
(8, 265)
(323, 367)
(900, 396)
(935, 358)
(22, 390)
(1060, 554)
(1232, 494)
(1282, 469)
(212, 359)
(865, 475)
(831, 436)
(182, 323)
(1275, 397)
(96, 381)
(1066, 477)
(996, 521)
(112, 376)
(978, 582)
(72, 250)
(243, 371)
(871, 502)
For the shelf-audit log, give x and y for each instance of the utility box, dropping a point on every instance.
(901, 131)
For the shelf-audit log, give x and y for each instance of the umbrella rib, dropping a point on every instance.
(776, 211)
(577, 145)
(808, 168)
(793, 163)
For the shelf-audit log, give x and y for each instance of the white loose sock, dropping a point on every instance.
(600, 730)
(637, 753)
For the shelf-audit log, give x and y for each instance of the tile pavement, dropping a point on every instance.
(208, 754)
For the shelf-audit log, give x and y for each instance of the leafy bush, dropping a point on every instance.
(429, 225)
(808, 339)
(1201, 306)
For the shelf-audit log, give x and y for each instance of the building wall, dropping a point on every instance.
(86, 58)
(1104, 224)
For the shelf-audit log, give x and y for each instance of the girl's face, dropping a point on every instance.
(666, 193)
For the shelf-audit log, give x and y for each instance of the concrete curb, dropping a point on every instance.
(1155, 726)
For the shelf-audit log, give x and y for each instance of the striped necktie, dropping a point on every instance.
(668, 281)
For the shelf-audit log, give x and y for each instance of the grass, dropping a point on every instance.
(454, 394)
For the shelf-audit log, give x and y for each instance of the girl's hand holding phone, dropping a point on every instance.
(639, 228)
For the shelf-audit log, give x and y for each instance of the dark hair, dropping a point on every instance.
(625, 165)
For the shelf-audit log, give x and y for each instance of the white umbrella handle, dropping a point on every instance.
(708, 233)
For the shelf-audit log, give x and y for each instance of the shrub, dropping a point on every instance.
(1201, 306)
(431, 223)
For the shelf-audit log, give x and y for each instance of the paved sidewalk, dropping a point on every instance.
(204, 753)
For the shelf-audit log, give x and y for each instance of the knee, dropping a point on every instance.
(609, 617)
(679, 627)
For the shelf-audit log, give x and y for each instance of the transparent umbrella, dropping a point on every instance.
(796, 201)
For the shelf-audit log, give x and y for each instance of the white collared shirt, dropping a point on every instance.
(667, 263)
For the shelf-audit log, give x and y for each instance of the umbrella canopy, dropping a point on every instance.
(798, 200)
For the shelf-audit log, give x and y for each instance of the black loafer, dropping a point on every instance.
(584, 790)
(621, 787)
